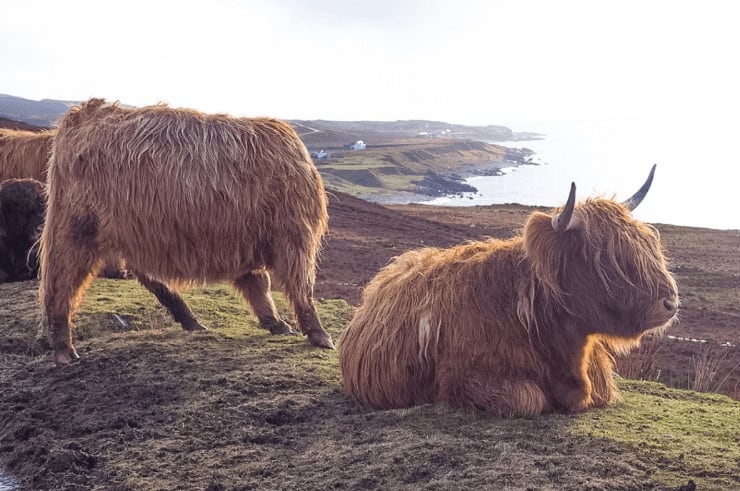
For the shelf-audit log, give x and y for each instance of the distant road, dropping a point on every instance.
(310, 130)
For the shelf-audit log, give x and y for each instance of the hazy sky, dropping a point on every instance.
(461, 61)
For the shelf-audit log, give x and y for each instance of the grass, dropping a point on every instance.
(392, 186)
(640, 363)
(355, 163)
(677, 432)
(706, 369)
(219, 308)
(670, 435)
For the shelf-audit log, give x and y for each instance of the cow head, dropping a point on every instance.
(603, 267)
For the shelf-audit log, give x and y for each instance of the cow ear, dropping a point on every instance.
(568, 219)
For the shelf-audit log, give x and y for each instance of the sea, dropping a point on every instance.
(697, 180)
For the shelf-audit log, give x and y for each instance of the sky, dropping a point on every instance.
(459, 61)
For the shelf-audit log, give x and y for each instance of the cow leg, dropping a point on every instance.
(600, 368)
(505, 397)
(297, 275)
(172, 301)
(308, 322)
(255, 287)
(69, 264)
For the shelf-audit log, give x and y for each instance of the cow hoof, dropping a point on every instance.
(194, 326)
(278, 327)
(284, 331)
(321, 339)
(65, 356)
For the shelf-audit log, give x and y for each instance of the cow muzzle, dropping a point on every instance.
(663, 312)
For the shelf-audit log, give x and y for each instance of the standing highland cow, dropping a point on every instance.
(516, 327)
(183, 197)
(24, 154)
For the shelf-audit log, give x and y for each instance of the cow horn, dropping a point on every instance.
(565, 219)
(637, 198)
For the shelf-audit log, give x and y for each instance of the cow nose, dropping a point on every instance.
(671, 305)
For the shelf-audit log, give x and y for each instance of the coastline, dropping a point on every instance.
(453, 185)
(411, 199)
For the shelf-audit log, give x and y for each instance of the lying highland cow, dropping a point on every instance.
(21, 217)
(516, 327)
(183, 197)
(24, 154)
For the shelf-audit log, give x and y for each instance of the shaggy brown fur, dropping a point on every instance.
(516, 327)
(24, 154)
(185, 198)
(21, 217)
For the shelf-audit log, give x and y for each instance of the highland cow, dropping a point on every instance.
(516, 327)
(184, 198)
(21, 218)
(24, 154)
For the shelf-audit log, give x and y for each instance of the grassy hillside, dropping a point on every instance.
(150, 406)
(421, 167)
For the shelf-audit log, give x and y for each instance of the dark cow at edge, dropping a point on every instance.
(183, 198)
(516, 327)
(22, 206)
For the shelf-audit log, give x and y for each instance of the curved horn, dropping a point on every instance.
(563, 220)
(637, 198)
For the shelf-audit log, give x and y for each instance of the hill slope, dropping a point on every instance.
(315, 132)
(18, 125)
(37, 113)
(152, 407)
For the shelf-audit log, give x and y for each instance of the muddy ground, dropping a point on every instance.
(154, 408)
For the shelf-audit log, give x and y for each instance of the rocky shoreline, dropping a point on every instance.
(435, 185)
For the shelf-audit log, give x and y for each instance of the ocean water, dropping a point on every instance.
(697, 181)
